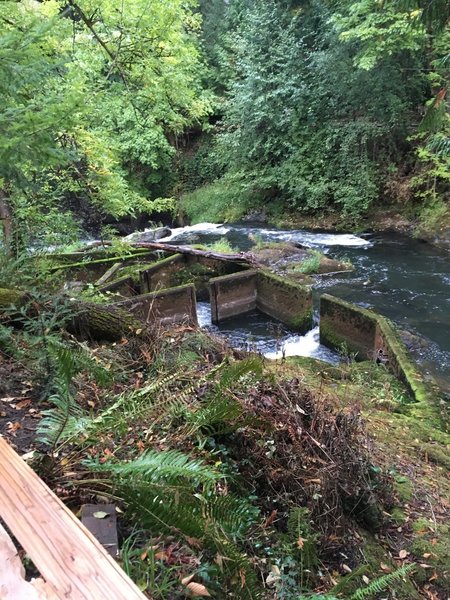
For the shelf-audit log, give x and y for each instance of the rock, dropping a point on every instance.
(149, 235)
(255, 216)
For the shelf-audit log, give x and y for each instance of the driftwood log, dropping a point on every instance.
(88, 320)
(244, 257)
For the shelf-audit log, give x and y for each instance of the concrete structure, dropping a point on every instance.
(232, 295)
(170, 306)
(371, 336)
(125, 286)
(285, 300)
(159, 275)
(279, 298)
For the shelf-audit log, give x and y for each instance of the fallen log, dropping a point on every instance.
(11, 298)
(88, 320)
(243, 257)
(104, 322)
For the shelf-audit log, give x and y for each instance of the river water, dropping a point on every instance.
(404, 279)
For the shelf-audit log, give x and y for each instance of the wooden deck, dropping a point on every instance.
(72, 563)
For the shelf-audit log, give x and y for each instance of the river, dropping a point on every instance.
(402, 278)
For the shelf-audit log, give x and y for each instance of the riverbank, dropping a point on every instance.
(250, 478)
(313, 477)
(435, 232)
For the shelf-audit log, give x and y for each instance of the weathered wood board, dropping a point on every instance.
(71, 561)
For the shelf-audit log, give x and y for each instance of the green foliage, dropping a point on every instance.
(305, 126)
(312, 263)
(150, 573)
(167, 491)
(227, 199)
(379, 585)
(91, 99)
(223, 246)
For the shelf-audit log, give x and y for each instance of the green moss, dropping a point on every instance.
(431, 546)
(398, 516)
(328, 336)
(303, 322)
(404, 488)
(374, 554)
(196, 273)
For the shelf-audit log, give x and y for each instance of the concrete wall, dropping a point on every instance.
(344, 324)
(285, 300)
(281, 299)
(160, 274)
(171, 306)
(366, 332)
(125, 286)
(232, 295)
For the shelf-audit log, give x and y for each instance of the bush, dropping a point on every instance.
(226, 199)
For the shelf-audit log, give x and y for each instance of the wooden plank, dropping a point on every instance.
(101, 520)
(109, 273)
(13, 585)
(69, 558)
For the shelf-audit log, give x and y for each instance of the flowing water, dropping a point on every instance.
(402, 278)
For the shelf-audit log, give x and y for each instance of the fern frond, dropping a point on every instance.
(233, 372)
(70, 360)
(170, 467)
(216, 416)
(379, 585)
(66, 420)
(231, 515)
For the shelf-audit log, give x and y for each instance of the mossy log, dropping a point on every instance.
(104, 322)
(10, 298)
(244, 257)
(88, 321)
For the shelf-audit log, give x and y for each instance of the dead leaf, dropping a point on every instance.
(197, 589)
(270, 519)
(346, 568)
(426, 555)
(100, 514)
(273, 576)
(188, 579)
(27, 456)
(13, 427)
(23, 404)
(161, 556)
(301, 542)
(403, 554)
(194, 542)
(366, 579)
(385, 568)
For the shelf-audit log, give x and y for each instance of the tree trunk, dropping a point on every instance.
(245, 257)
(104, 322)
(89, 321)
(7, 224)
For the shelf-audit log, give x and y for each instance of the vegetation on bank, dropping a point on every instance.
(284, 108)
(236, 477)
(245, 477)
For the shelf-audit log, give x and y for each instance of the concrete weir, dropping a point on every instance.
(279, 298)
(170, 306)
(370, 336)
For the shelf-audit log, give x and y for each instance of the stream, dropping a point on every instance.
(402, 278)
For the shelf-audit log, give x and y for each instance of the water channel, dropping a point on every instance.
(402, 278)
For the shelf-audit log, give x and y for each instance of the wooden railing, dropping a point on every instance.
(73, 565)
